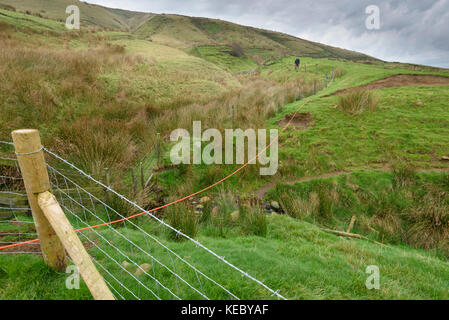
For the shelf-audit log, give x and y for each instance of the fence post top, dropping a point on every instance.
(25, 131)
(26, 140)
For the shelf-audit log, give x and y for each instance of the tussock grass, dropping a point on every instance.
(401, 207)
(357, 102)
(430, 223)
(182, 218)
(253, 220)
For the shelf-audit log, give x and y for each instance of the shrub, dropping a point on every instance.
(357, 102)
(237, 50)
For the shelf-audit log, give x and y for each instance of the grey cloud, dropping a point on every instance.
(411, 31)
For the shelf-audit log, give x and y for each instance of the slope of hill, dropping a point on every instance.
(189, 32)
(90, 14)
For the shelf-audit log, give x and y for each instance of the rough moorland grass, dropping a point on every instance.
(397, 207)
(357, 102)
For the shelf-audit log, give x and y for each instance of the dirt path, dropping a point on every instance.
(262, 191)
(400, 80)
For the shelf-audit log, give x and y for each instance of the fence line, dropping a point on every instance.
(88, 229)
(73, 207)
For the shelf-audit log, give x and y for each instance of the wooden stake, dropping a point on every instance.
(142, 177)
(133, 177)
(31, 160)
(350, 235)
(108, 183)
(94, 281)
(351, 224)
(158, 149)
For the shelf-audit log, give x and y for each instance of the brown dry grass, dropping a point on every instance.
(92, 107)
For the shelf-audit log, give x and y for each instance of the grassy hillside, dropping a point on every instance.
(188, 32)
(260, 45)
(90, 14)
(100, 98)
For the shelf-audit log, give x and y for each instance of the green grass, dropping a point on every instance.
(295, 257)
(221, 56)
(112, 91)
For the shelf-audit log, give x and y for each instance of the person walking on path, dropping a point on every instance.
(297, 63)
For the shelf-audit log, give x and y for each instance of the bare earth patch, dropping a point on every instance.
(301, 120)
(401, 80)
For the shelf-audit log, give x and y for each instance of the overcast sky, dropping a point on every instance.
(415, 31)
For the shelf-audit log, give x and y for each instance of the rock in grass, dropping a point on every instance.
(445, 158)
(204, 200)
(214, 211)
(144, 268)
(275, 205)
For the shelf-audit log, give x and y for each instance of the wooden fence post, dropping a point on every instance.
(108, 183)
(31, 160)
(142, 176)
(158, 149)
(134, 180)
(56, 217)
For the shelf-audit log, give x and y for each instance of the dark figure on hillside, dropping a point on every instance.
(297, 63)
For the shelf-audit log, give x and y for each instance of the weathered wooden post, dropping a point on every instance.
(142, 176)
(108, 183)
(158, 149)
(31, 160)
(93, 279)
(134, 181)
(314, 86)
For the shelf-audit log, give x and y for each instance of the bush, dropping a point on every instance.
(237, 50)
(7, 7)
(357, 102)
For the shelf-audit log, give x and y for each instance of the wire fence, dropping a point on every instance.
(134, 256)
(16, 223)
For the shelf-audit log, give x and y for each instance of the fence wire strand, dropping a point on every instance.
(123, 245)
